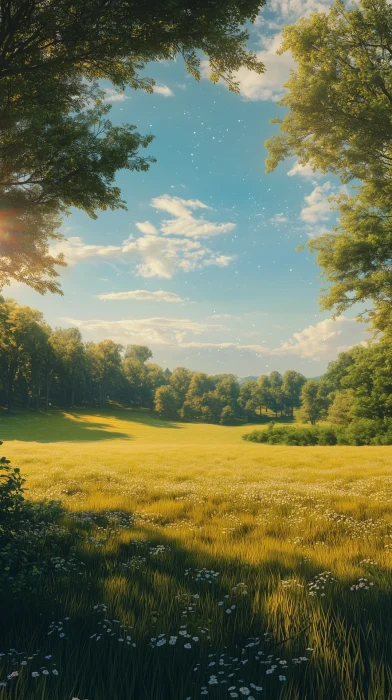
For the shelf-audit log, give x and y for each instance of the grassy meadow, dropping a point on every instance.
(185, 562)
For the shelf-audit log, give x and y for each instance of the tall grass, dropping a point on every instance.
(186, 562)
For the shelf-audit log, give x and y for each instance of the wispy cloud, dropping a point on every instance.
(279, 219)
(154, 256)
(270, 84)
(163, 90)
(142, 295)
(305, 171)
(323, 340)
(161, 250)
(146, 227)
(291, 10)
(184, 223)
(153, 331)
(317, 207)
(112, 95)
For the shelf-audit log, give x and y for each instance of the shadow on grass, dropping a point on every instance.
(351, 638)
(73, 425)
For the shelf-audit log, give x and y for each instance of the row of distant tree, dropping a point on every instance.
(41, 367)
(358, 385)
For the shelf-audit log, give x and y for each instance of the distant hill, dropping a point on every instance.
(242, 380)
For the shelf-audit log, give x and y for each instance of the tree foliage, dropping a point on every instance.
(339, 119)
(58, 147)
(313, 403)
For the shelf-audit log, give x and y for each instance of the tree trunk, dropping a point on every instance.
(9, 394)
(46, 388)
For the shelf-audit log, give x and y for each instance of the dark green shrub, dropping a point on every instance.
(285, 435)
(327, 436)
(11, 496)
(363, 431)
(367, 431)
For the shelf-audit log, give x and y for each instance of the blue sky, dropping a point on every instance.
(202, 267)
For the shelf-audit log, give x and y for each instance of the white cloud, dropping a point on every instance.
(163, 256)
(320, 341)
(155, 256)
(217, 346)
(156, 252)
(112, 95)
(305, 171)
(176, 206)
(279, 219)
(268, 85)
(142, 295)
(317, 207)
(146, 227)
(316, 232)
(163, 90)
(75, 250)
(317, 340)
(153, 331)
(323, 340)
(221, 260)
(184, 223)
(291, 10)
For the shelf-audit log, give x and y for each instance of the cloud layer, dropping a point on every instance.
(321, 341)
(160, 251)
(152, 331)
(142, 295)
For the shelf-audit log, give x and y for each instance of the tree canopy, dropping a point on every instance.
(58, 147)
(340, 96)
(339, 119)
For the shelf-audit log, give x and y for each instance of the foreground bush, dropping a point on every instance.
(11, 496)
(361, 432)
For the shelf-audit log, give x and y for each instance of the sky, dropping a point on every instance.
(202, 267)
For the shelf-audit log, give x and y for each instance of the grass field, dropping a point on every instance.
(189, 563)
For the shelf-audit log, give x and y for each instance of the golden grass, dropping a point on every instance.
(271, 517)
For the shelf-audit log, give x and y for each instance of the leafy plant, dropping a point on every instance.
(11, 495)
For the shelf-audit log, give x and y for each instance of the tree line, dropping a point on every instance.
(41, 367)
(357, 386)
